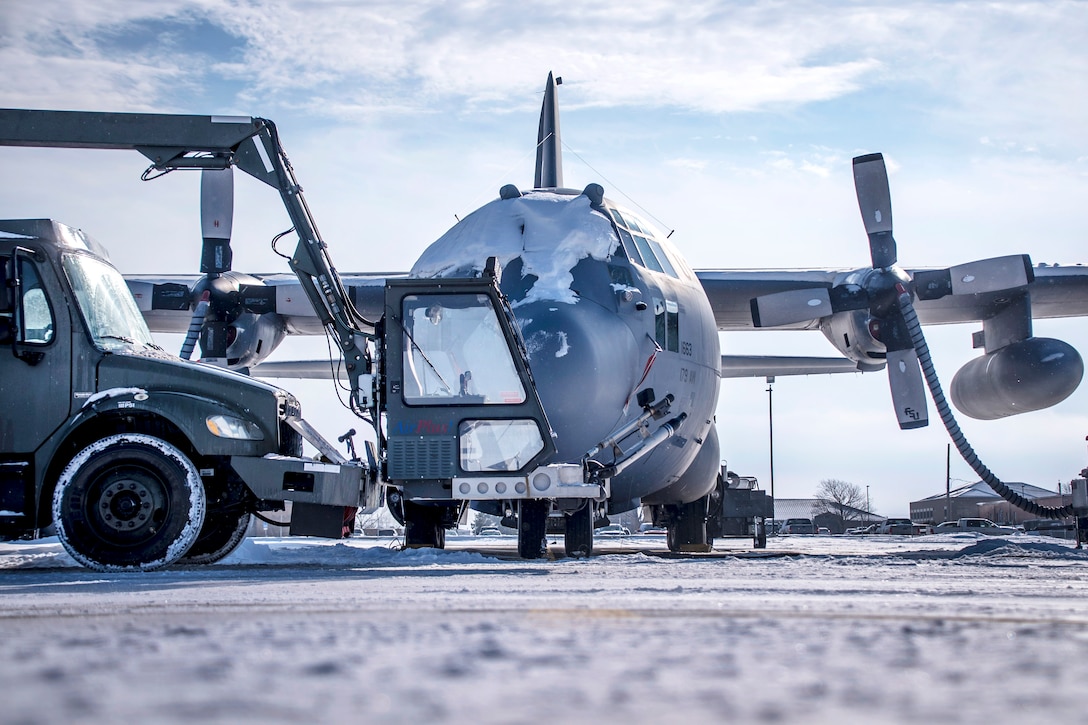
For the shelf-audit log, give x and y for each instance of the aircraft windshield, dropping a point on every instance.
(106, 304)
(455, 352)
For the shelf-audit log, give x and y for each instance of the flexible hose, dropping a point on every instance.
(953, 428)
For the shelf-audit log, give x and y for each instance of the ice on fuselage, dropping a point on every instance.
(550, 232)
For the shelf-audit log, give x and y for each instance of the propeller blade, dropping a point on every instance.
(875, 202)
(908, 391)
(985, 275)
(170, 296)
(305, 369)
(257, 298)
(784, 308)
(214, 339)
(216, 218)
(194, 327)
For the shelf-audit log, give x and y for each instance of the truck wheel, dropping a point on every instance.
(129, 501)
(222, 533)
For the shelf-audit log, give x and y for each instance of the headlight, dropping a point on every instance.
(226, 426)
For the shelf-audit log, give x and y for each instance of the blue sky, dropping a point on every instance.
(731, 122)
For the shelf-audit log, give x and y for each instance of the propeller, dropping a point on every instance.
(216, 220)
(877, 291)
(222, 295)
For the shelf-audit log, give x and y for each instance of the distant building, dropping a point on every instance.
(967, 502)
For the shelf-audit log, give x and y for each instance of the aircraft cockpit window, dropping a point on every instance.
(662, 258)
(641, 244)
(667, 324)
(647, 253)
(629, 247)
(455, 352)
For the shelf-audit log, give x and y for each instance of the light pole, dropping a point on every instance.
(868, 516)
(770, 431)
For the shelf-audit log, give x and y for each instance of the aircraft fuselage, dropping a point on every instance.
(607, 308)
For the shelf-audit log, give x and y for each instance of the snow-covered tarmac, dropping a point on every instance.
(949, 629)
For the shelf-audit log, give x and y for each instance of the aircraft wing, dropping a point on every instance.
(165, 300)
(1057, 291)
(758, 366)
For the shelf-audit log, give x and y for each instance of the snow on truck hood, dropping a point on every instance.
(550, 232)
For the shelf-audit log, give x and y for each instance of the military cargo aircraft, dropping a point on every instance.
(622, 337)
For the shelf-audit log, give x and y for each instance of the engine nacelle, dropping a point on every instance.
(247, 306)
(850, 333)
(1028, 375)
(251, 338)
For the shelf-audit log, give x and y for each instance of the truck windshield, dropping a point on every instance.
(455, 352)
(106, 304)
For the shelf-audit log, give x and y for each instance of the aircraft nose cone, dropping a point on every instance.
(580, 355)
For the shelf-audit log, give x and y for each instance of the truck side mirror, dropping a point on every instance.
(7, 285)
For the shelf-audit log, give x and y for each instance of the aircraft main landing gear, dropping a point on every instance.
(423, 526)
(686, 527)
(578, 536)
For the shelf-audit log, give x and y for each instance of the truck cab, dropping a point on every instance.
(136, 456)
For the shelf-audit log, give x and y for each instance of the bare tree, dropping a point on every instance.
(840, 498)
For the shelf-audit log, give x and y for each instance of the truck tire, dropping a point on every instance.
(129, 502)
(222, 533)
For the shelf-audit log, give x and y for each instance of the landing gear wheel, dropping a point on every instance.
(532, 524)
(759, 540)
(687, 529)
(129, 501)
(578, 537)
(423, 527)
(223, 532)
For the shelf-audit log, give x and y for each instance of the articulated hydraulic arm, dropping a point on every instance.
(214, 142)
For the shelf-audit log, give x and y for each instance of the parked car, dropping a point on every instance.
(490, 531)
(896, 527)
(798, 526)
(978, 526)
(612, 530)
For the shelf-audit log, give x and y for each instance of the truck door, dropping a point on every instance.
(35, 359)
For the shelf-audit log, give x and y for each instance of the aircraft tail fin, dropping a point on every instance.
(549, 152)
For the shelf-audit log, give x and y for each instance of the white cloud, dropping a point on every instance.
(348, 59)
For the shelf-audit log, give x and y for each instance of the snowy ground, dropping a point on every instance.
(950, 629)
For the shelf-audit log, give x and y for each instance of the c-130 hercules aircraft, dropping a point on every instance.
(622, 339)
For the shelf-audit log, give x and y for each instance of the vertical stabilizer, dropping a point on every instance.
(549, 153)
